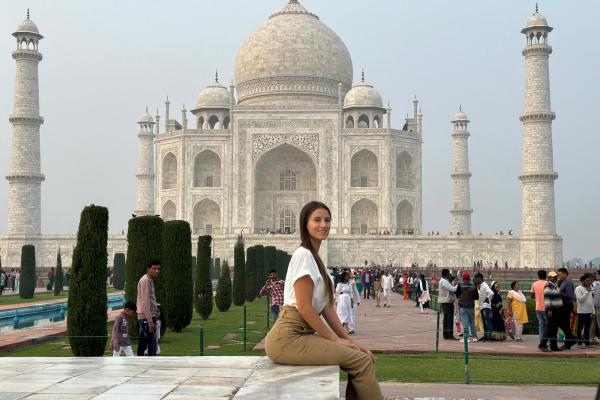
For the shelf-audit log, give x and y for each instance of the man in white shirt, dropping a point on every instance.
(387, 282)
(485, 306)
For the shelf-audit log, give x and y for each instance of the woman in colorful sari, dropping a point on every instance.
(517, 308)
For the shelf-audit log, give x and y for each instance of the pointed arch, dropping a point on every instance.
(404, 171)
(350, 122)
(404, 218)
(207, 218)
(364, 217)
(169, 211)
(169, 171)
(363, 121)
(207, 169)
(364, 170)
(213, 122)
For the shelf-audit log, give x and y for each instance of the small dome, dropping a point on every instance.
(214, 96)
(460, 116)
(27, 26)
(146, 118)
(363, 95)
(536, 20)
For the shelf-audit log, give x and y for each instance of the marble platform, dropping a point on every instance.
(170, 378)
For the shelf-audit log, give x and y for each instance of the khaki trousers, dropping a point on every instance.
(291, 341)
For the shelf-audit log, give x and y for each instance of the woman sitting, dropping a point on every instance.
(308, 295)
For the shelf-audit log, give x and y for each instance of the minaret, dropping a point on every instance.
(461, 193)
(25, 177)
(145, 174)
(537, 173)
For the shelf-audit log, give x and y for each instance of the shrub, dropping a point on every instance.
(58, 275)
(119, 271)
(176, 269)
(239, 274)
(144, 245)
(251, 274)
(27, 288)
(223, 298)
(86, 320)
(203, 293)
(259, 270)
(217, 267)
(270, 261)
(194, 269)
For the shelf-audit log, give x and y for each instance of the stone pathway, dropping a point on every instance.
(169, 378)
(403, 329)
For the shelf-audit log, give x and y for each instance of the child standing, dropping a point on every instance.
(120, 336)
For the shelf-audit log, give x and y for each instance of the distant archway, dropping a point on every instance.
(364, 169)
(364, 217)
(207, 169)
(169, 211)
(207, 218)
(169, 172)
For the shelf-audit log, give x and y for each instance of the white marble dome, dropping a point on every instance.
(27, 26)
(537, 20)
(146, 118)
(460, 116)
(363, 95)
(214, 96)
(292, 56)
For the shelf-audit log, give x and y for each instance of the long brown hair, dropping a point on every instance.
(305, 214)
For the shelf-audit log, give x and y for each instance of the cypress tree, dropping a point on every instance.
(203, 292)
(194, 269)
(176, 269)
(86, 320)
(27, 288)
(251, 274)
(223, 298)
(270, 261)
(259, 268)
(239, 274)
(144, 245)
(119, 271)
(58, 275)
(279, 261)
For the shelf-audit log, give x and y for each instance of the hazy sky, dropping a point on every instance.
(105, 61)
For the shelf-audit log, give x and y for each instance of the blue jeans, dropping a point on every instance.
(467, 319)
(275, 309)
(147, 339)
(542, 322)
(487, 323)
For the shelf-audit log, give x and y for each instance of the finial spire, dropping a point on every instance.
(216, 75)
(536, 8)
(146, 109)
(460, 108)
(28, 13)
(363, 75)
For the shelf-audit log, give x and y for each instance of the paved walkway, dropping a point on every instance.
(440, 391)
(403, 329)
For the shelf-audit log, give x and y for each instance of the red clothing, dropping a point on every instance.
(275, 290)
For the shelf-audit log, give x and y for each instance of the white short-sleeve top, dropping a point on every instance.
(302, 264)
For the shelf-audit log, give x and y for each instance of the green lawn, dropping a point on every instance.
(449, 367)
(47, 296)
(225, 330)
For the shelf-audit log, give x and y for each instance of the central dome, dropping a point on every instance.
(293, 57)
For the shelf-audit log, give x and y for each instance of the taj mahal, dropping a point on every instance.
(292, 127)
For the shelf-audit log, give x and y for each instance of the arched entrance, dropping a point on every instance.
(364, 217)
(207, 218)
(285, 178)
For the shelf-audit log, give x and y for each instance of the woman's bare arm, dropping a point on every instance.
(303, 288)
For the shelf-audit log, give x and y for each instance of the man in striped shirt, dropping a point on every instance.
(554, 306)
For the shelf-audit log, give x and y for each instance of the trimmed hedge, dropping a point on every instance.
(86, 320)
(223, 297)
(251, 291)
(119, 271)
(58, 275)
(144, 245)
(239, 274)
(203, 292)
(177, 274)
(27, 288)
(270, 261)
(259, 270)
